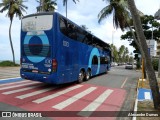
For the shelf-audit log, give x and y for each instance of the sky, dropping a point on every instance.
(84, 12)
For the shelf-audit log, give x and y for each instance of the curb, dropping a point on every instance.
(10, 78)
(136, 101)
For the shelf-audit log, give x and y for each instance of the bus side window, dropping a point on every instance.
(63, 26)
(80, 35)
(103, 60)
(95, 60)
(85, 39)
(71, 29)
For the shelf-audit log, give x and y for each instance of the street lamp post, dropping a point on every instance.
(113, 31)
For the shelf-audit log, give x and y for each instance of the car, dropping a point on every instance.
(114, 64)
(129, 66)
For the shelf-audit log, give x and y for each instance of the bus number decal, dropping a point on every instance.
(65, 43)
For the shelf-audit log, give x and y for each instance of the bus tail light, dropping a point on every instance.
(54, 65)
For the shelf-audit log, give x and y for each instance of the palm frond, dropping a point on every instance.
(13, 7)
(106, 11)
(4, 8)
(120, 11)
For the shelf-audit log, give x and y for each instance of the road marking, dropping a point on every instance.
(56, 94)
(147, 95)
(95, 104)
(71, 100)
(14, 83)
(8, 87)
(20, 90)
(34, 93)
(124, 82)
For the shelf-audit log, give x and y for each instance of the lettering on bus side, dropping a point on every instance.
(65, 43)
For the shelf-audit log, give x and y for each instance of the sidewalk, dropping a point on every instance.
(9, 72)
(144, 101)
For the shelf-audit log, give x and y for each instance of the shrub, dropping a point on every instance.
(155, 64)
(7, 63)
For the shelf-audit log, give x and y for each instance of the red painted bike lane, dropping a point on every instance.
(35, 96)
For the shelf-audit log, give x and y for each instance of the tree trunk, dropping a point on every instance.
(137, 43)
(159, 67)
(150, 71)
(42, 5)
(10, 38)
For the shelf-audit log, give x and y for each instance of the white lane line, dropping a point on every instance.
(71, 100)
(95, 104)
(147, 95)
(34, 93)
(124, 82)
(20, 90)
(14, 83)
(8, 87)
(56, 94)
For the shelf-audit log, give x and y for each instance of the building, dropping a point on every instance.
(152, 47)
(158, 47)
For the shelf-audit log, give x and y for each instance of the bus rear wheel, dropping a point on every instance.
(88, 75)
(81, 77)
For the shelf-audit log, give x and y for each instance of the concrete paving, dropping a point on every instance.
(9, 72)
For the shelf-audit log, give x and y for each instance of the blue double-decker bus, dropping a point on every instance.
(56, 50)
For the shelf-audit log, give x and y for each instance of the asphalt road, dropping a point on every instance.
(122, 78)
(123, 82)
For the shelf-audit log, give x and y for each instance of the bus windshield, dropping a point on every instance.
(37, 23)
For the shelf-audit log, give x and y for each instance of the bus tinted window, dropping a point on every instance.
(63, 26)
(103, 60)
(95, 60)
(78, 34)
(71, 29)
(73, 32)
(68, 29)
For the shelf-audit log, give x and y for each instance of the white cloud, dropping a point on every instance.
(149, 7)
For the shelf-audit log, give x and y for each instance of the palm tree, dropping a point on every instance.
(65, 4)
(120, 13)
(46, 5)
(151, 74)
(121, 16)
(14, 7)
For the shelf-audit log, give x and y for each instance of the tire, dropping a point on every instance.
(107, 70)
(88, 75)
(81, 77)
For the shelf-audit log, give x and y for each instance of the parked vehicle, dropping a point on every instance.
(129, 66)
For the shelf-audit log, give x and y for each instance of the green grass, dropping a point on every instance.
(7, 63)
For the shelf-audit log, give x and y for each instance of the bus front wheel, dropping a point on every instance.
(81, 77)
